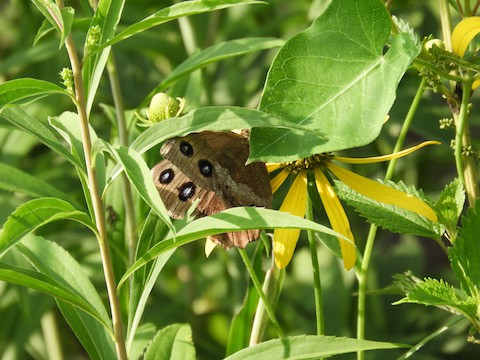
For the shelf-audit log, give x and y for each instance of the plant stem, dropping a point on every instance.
(263, 297)
(130, 220)
(272, 285)
(317, 284)
(362, 276)
(51, 338)
(465, 163)
(431, 336)
(98, 210)
(446, 22)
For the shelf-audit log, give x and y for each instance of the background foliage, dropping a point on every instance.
(206, 293)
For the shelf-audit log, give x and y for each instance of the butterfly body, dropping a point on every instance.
(210, 166)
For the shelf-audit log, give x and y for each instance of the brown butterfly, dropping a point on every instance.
(210, 166)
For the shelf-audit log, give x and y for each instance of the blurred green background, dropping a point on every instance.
(207, 292)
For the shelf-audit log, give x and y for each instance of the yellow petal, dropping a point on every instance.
(337, 217)
(382, 193)
(273, 166)
(278, 180)
(209, 246)
(285, 240)
(464, 33)
(375, 159)
(476, 84)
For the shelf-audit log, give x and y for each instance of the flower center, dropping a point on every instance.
(314, 161)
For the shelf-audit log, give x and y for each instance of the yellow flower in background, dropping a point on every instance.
(285, 240)
(462, 36)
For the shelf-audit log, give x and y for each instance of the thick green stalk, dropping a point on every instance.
(130, 220)
(97, 202)
(465, 163)
(362, 276)
(272, 285)
(317, 284)
(263, 297)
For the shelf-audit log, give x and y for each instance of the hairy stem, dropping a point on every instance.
(97, 203)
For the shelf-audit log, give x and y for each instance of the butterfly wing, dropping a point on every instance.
(178, 191)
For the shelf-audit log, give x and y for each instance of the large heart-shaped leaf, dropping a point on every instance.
(333, 78)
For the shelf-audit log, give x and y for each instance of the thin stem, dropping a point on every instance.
(465, 164)
(446, 22)
(97, 203)
(263, 297)
(475, 7)
(130, 220)
(272, 285)
(431, 336)
(362, 276)
(51, 338)
(317, 284)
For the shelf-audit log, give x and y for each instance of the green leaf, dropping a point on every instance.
(439, 293)
(68, 14)
(15, 180)
(334, 79)
(240, 218)
(309, 347)
(172, 342)
(215, 118)
(215, 53)
(68, 126)
(106, 18)
(37, 129)
(20, 89)
(176, 11)
(43, 283)
(91, 334)
(143, 336)
(139, 175)
(36, 213)
(390, 217)
(465, 253)
(449, 206)
(145, 278)
(52, 13)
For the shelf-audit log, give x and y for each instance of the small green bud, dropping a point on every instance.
(93, 39)
(163, 107)
(67, 76)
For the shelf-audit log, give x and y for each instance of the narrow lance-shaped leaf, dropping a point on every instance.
(20, 89)
(176, 11)
(174, 341)
(13, 179)
(217, 52)
(241, 218)
(36, 213)
(309, 347)
(37, 129)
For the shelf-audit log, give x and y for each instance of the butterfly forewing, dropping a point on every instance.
(210, 166)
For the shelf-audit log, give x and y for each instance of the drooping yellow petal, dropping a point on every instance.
(278, 180)
(273, 166)
(375, 159)
(464, 33)
(382, 193)
(337, 217)
(285, 240)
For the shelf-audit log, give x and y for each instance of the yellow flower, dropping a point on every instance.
(462, 36)
(285, 240)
